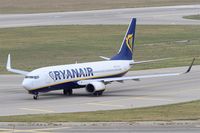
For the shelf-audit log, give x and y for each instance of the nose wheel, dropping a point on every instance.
(35, 97)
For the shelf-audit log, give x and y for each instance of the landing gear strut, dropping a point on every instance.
(98, 93)
(68, 92)
(35, 97)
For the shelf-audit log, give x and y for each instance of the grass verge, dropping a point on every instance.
(195, 17)
(35, 47)
(37, 6)
(182, 111)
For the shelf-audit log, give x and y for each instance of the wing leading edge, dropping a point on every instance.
(120, 79)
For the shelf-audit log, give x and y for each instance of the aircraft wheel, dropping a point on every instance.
(98, 93)
(35, 97)
(67, 92)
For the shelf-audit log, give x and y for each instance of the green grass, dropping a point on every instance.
(195, 17)
(36, 47)
(183, 111)
(35, 6)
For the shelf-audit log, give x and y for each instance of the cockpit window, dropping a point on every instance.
(32, 77)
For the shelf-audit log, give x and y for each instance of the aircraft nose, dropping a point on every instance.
(27, 84)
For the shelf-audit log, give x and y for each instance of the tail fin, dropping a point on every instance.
(126, 50)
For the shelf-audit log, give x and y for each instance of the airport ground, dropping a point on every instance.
(38, 6)
(102, 127)
(34, 47)
(168, 15)
(194, 17)
(131, 94)
(177, 87)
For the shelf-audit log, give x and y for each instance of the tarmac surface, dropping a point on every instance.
(168, 15)
(138, 127)
(14, 100)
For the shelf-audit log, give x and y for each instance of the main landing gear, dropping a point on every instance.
(98, 93)
(67, 92)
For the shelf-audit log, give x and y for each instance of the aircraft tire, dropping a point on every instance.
(98, 93)
(68, 92)
(35, 97)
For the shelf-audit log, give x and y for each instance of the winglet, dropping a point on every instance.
(10, 69)
(8, 65)
(190, 67)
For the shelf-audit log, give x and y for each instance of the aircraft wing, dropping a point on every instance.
(121, 79)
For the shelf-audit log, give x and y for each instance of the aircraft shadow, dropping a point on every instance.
(110, 93)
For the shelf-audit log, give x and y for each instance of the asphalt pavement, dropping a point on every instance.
(137, 127)
(167, 15)
(14, 99)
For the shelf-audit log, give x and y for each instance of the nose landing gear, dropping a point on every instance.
(35, 96)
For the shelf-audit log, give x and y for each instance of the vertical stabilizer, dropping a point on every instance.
(126, 50)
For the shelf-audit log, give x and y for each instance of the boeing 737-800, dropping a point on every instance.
(92, 75)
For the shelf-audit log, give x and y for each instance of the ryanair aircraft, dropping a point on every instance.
(93, 75)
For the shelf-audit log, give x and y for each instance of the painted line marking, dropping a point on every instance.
(102, 104)
(42, 130)
(198, 126)
(38, 110)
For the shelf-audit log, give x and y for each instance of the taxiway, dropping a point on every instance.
(167, 15)
(14, 100)
(103, 127)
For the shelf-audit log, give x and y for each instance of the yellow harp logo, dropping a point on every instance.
(129, 42)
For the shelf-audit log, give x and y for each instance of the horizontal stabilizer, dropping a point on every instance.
(10, 69)
(147, 61)
(105, 58)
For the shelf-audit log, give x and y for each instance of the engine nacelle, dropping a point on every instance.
(95, 86)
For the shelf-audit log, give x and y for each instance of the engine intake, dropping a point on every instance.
(95, 86)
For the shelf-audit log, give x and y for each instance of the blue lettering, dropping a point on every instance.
(75, 73)
(57, 75)
(85, 70)
(81, 72)
(52, 75)
(90, 71)
(69, 75)
(63, 74)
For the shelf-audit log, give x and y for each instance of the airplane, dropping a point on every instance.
(93, 76)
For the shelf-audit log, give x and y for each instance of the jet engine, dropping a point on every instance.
(95, 87)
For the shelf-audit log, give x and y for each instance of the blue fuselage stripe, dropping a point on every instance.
(67, 85)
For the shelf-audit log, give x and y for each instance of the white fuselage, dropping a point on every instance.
(48, 77)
